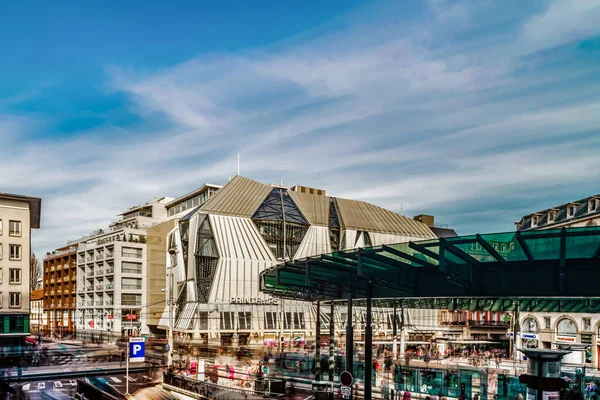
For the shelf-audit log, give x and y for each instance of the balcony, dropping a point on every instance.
(99, 257)
(90, 303)
(59, 291)
(108, 303)
(66, 279)
(52, 268)
(489, 324)
(52, 280)
(110, 271)
(73, 277)
(89, 259)
(109, 286)
(91, 273)
(89, 289)
(82, 304)
(66, 266)
(132, 287)
(460, 323)
(99, 287)
(109, 255)
(99, 272)
(52, 293)
(99, 303)
(81, 289)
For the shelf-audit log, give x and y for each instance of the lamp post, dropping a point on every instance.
(173, 255)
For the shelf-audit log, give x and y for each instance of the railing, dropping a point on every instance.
(109, 286)
(52, 280)
(59, 291)
(66, 266)
(52, 268)
(500, 324)
(89, 259)
(99, 257)
(109, 271)
(108, 303)
(82, 304)
(90, 303)
(91, 273)
(134, 287)
(201, 389)
(99, 303)
(89, 288)
(131, 271)
(81, 289)
(99, 287)
(109, 255)
(66, 279)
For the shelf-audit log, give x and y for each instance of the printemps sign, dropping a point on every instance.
(254, 300)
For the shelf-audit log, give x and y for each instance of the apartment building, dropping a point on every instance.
(60, 288)
(112, 272)
(18, 215)
(37, 310)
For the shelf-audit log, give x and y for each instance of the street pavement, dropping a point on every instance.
(64, 389)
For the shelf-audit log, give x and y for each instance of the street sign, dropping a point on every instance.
(136, 349)
(346, 385)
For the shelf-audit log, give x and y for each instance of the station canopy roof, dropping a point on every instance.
(551, 270)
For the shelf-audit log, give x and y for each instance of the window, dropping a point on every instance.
(203, 320)
(299, 320)
(287, 322)
(15, 251)
(444, 317)
(546, 322)
(534, 220)
(131, 267)
(15, 275)
(14, 228)
(592, 205)
(131, 299)
(131, 252)
(0, 227)
(227, 321)
(551, 215)
(571, 210)
(530, 325)
(131, 283)
(587, 324)
(566, 327)
(15, 300)
(270, 320)
(0, 250)
(1, 279)
(244, 320)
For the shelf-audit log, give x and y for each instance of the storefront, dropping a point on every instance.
(530, 340)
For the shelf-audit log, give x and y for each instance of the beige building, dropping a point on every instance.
(18, 215)
(578, 331)
(37, 311)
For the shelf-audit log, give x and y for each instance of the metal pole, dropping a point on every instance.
(395, 336)
(127, 370)
(331, 344)
(170, 333)
(318, 344)
(349, 337)
(368, 349)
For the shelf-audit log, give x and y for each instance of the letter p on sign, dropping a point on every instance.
(136, 350)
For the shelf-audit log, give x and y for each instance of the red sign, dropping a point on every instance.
(131, 317)
(91, 323)
(110, 316)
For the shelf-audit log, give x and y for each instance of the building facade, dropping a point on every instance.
(112, 272)
(580, 332)
(60, 291)
(18, 215)
(37, 311)
(217, 251)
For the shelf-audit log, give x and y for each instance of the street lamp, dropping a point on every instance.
(173, 254)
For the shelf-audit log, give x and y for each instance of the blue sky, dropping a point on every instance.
(477, 112)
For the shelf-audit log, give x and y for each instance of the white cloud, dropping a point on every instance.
(376, 112)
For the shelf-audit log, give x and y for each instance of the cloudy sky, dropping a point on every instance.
(477, 112)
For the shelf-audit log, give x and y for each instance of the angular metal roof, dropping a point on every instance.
(364, 216)
(553, 264)
(240, 197)
(314, 207)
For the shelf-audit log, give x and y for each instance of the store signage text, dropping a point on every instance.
(531, 336)
(568, 339)
(586, 338)
(253, 300)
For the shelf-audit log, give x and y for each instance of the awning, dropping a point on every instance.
(472, 342)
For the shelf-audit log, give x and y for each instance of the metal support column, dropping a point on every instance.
(394, 336)
(369, 349)
(318, 344)
(349, 337)
(516, 329)
(331, 344)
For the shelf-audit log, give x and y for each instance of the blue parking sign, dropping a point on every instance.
(136, 349)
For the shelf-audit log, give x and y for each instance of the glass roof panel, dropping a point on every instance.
(582, 246)
(506, 245)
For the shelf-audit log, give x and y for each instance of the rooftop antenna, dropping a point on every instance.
(238, 164)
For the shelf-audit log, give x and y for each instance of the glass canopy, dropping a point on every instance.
(513, 265)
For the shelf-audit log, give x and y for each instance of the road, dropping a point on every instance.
(64, 389)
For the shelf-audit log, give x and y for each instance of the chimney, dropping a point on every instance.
(426, 219)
